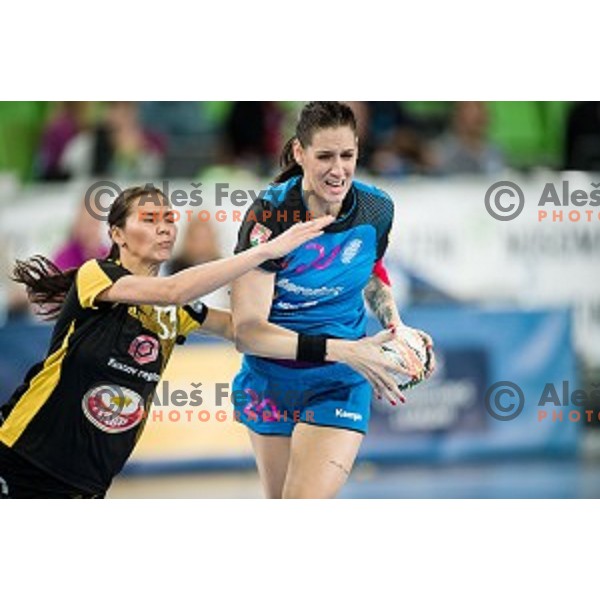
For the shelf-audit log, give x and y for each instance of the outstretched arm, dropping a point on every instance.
(192, 283)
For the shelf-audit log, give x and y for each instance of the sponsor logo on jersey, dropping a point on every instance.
(340, 413)
(290, 286)
(259, 234)
(144, 349)
(112, 408)
(350, 251)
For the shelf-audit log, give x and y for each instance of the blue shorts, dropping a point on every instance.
(270, 398)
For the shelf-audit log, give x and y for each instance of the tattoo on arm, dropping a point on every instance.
(380, 300)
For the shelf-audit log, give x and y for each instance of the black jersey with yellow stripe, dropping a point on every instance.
(79, 412)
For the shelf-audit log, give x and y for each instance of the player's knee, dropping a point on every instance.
(298, 492)
(321, 488)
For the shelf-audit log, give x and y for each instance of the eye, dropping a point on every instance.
(170, 217)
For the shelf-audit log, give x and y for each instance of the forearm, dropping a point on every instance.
(201, 280)
(219, 323)
(380, 299)
(265, 339)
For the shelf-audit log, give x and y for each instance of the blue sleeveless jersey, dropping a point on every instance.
(319, 286)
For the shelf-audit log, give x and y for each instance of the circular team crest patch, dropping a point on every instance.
(113, 408)
(144, 349)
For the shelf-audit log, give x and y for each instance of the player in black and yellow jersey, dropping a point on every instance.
(70, 427)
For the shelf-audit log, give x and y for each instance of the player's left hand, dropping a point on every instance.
(430, 360)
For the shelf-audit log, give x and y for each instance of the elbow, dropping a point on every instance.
(228, 331)
(243, 336)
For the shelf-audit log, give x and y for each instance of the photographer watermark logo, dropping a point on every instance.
(557, 202)
(504, 201)
(504, 401)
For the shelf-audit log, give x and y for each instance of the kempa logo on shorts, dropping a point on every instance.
(340, 413)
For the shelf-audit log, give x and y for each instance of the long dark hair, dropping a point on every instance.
(314, 116)
(47, 285)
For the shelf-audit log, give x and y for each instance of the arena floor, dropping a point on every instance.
(531, 479)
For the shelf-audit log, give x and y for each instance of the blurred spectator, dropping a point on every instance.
(66, 124)
(391, 142)
(173, 120)
(189, 132)
(465, 149)
(118, 147)
(253, 135)
(199, 245)
(582, 144)
(85, 242)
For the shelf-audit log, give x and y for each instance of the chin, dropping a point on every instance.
(335, 198)
(163, 257)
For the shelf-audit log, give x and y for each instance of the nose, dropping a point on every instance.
(163, 226)
(337, 166)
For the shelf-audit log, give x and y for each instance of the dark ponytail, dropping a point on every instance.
(47, 286)
(289, 167)
(314, 116)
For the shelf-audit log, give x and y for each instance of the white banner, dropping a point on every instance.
(443, 233)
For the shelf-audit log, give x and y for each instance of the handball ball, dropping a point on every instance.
(407, 350)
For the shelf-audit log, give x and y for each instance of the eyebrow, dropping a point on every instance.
(323, 151)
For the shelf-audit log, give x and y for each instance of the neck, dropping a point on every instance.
(139, 267)
(318, 207)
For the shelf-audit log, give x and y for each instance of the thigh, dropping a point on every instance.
(272, 454)
(320, 461)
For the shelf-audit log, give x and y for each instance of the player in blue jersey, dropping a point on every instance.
(309, 373)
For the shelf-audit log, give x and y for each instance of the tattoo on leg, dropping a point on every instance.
(340, 466)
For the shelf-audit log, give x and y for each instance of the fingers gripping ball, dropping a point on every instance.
(408, 351)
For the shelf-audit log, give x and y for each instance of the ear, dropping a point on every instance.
(298, 151)
(117, 236)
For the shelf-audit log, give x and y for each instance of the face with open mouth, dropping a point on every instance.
(329, 163)
(149, 234)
